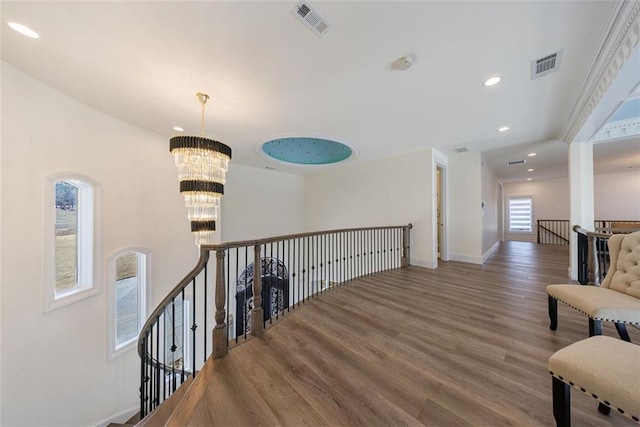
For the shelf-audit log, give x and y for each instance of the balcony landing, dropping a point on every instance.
(463, 345)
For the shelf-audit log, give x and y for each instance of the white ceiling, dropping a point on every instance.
(269, 76)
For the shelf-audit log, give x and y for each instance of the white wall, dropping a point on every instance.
(490, 188)
(54, 365)
(393, 191)
(465, 211)
(617, 196)
(261, 203)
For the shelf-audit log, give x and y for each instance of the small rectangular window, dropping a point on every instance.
(520, 214)
(128, 287)
(66, 236)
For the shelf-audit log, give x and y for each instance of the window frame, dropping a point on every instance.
(144, 273)
(531, 217)
(88, 241)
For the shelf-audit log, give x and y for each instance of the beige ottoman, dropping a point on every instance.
(606, 368)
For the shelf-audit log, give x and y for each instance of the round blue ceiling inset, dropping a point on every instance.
(307, 151)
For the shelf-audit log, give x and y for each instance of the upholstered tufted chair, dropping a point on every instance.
(616, 300)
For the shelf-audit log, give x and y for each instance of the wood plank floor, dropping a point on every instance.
(463, 345)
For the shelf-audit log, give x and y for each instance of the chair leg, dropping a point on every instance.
(622, 331)
(604, 409)
(595, 327)
(561, 403)
(553, 312)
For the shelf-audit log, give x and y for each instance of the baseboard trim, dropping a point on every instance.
(121, 417)
(469, 259)
(491, 250)
(432, 264)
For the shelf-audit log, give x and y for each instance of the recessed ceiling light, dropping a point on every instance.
(531, 154)
(530, 170)
(25, 31)
(492, 81)
(178, 129)
(503, 129)
(528, 179)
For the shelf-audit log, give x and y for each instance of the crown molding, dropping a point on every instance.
(620, 40)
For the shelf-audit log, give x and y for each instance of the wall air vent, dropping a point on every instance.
(311, 18)
(516, 162)
(461, 150)
(543, 66)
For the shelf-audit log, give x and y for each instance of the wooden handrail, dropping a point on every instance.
(243, 243)
(588, 233)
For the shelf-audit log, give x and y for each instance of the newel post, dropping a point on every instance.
(257, 315)
(593, 265)
(406, 253)
(220, 330)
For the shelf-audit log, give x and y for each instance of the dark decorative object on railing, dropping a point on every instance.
(275, 293)
(174, 343)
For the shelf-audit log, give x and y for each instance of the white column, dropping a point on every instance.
(581, 195)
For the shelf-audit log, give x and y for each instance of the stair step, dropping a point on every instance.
(162, 413)
(134, 420)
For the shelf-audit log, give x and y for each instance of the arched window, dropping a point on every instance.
(128, 272)
(71, 239)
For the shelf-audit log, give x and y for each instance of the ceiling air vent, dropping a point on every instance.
(461, 150)
(516, 162)
(543, 66)
(311, 17)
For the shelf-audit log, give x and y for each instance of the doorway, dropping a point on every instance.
(440, 212)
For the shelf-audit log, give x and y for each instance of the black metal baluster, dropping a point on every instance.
(386, 246)
(359, 251)
(194, 326)
(298, 262)
(263, 250)
(157, 394)
(142, 385)
(289, 264)
(323, 263)
(246, 287)
(164, 353)
(280, 292)
(308, 258)
(378, 252)
(173, 346)
(147, 371)
(342, 258)
(314, 272)
(241, 310)
(330, 259)
(151, 372)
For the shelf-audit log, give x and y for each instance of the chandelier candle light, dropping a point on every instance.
(202, 167)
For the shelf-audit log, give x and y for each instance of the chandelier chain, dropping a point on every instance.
(202, 97)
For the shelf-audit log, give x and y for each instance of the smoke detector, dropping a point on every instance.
(403, 63)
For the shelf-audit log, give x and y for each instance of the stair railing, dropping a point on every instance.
(593, 250)
(248, 296)
(553, 231)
